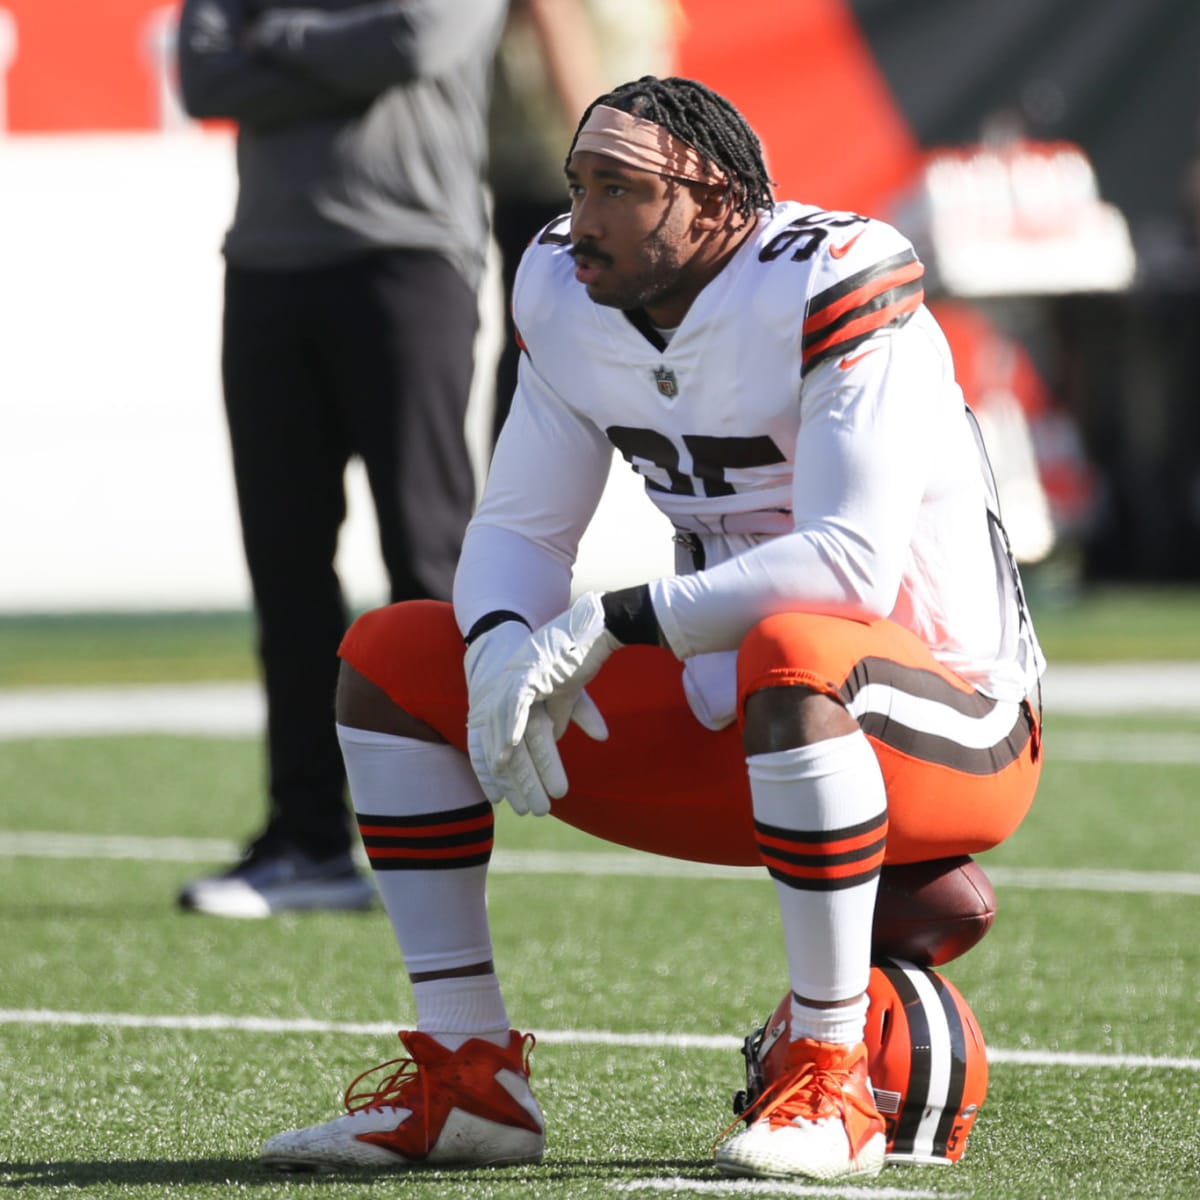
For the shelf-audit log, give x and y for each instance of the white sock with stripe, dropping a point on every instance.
(820, 813)
(416, 803)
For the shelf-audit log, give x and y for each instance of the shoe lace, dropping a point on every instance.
(388, 1092)
(394, 1089)
(811, 1093)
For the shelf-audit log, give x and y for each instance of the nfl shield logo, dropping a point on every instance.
(667, 383)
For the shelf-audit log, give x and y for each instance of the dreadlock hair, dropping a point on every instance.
(704, 120)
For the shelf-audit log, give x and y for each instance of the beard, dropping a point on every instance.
(658, 278)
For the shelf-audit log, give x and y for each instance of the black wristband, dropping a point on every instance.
(490, 621)
(629, 616)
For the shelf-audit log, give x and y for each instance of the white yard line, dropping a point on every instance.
(626, 863)
(1146, 748)
(201, 709)
(236, 709)
(35, 844)
(676, 1185)
(222, 1023)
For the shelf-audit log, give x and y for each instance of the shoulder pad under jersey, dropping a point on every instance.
(858, 275)
(545, 279)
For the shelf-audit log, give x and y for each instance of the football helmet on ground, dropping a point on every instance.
(926, 1059)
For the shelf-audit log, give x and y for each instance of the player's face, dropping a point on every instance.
(634, 237)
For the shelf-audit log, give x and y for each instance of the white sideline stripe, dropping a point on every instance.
(221, 1022)
(81, 845)
(203, 709)
(1082, 879)
(1154, 749)
(39, 719)
(775, 1187)
(629, 863)
(237, 709)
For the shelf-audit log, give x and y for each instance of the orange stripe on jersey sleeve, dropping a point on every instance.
(846, 314)
(853, 333)
(857, 289)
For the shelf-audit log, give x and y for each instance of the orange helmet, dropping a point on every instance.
(927, 1061)
(926, 1058)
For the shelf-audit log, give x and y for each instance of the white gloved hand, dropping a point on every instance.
(522, 711)
(484, 664)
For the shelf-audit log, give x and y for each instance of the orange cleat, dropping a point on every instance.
(817, 1121)
(470, 1107)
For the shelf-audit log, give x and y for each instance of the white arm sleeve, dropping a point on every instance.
(503, 570)
(546, 479)
(862, 465)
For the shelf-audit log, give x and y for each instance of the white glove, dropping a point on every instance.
(521, 712)
(484, 664)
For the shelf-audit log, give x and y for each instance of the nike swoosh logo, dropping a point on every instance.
(844, 249)
(847, 363)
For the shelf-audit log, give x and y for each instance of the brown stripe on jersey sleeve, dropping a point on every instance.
(845, 315)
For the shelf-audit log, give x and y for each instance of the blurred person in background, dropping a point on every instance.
(353, 261)
(555, 56)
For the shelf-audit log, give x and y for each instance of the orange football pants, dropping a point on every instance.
(665, 784)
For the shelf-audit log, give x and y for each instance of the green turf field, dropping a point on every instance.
(147, 1053)
(1101, 625)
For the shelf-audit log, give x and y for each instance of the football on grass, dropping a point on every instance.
(931, 912)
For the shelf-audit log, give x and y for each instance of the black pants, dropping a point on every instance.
(372, 358)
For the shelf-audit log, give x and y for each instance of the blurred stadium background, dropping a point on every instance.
(1042, 154)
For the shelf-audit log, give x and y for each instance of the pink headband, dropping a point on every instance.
(643, 144)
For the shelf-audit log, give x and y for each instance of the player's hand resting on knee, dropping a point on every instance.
(521, 703)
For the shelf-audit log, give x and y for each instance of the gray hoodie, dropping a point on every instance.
(361, 126)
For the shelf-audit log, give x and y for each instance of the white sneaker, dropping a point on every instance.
(819, 1121)
(471, 1107)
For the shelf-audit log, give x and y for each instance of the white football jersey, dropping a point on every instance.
(802, 430)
